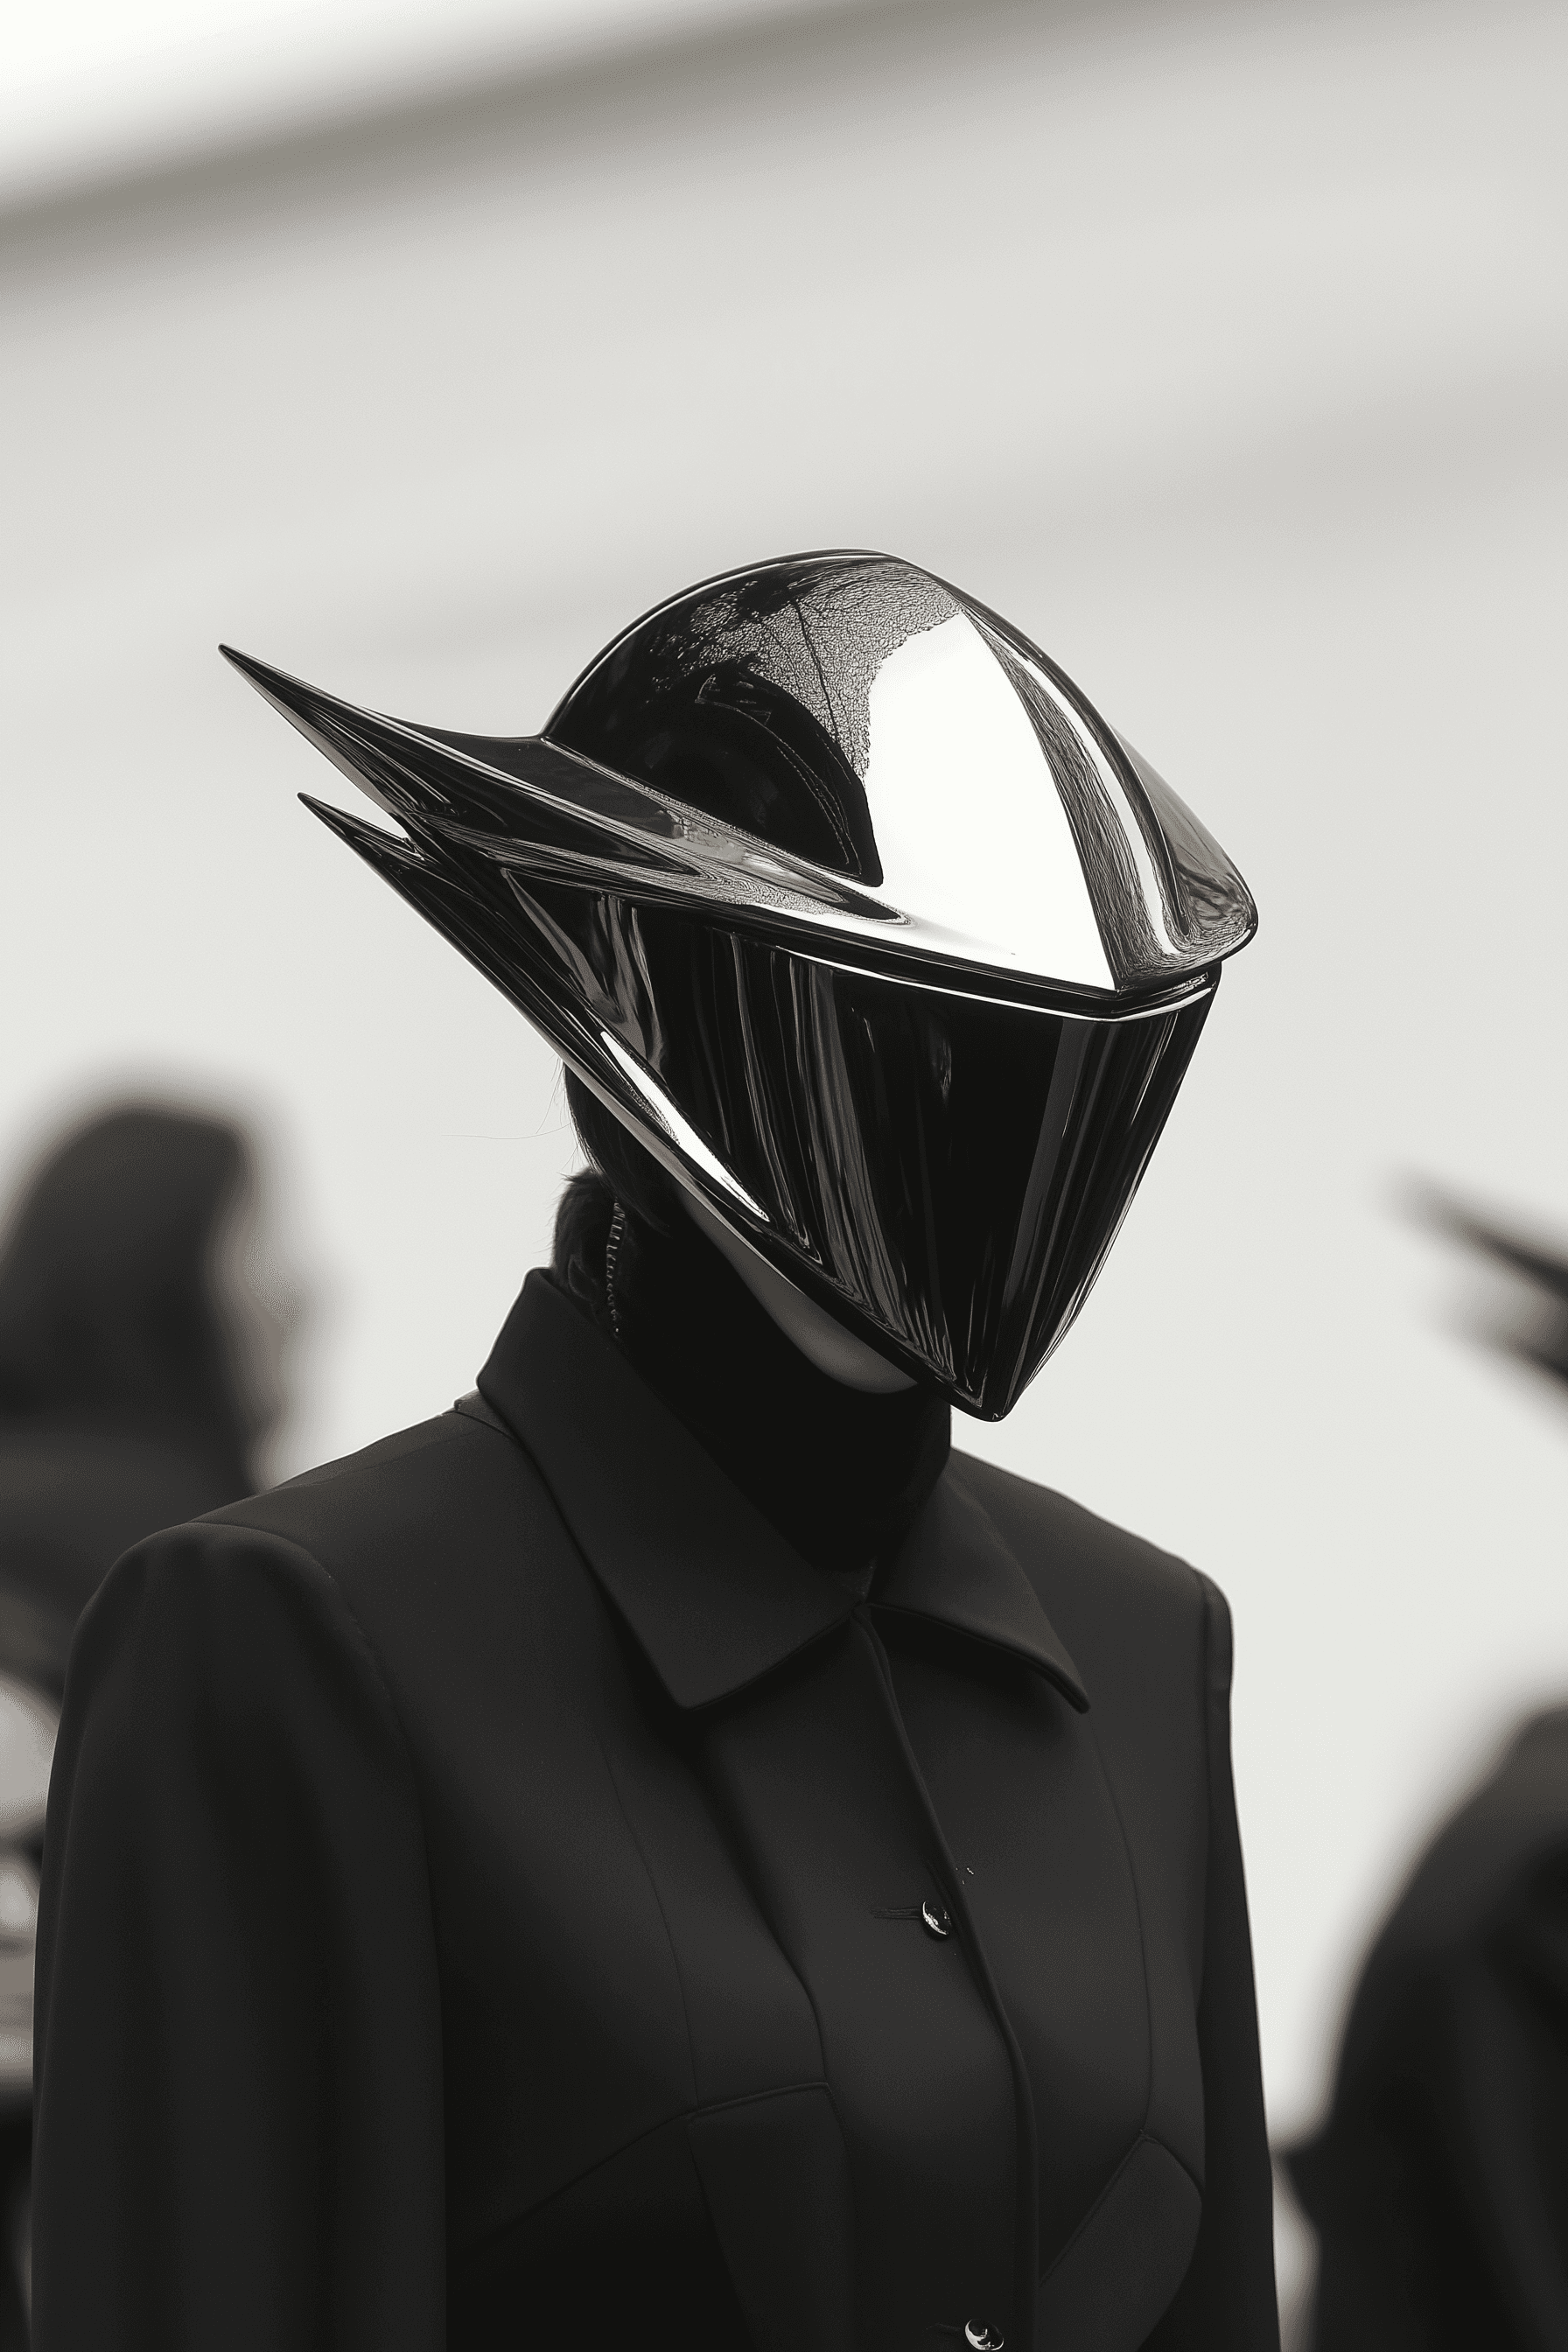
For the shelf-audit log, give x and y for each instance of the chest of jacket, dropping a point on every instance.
(841, 1985)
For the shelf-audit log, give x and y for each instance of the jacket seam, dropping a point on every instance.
(490, 1419)
(681, 2115)
(1145, 2138)
(1110, 1787)
(292, 1544)
(372, 1662)
(658, 1905)
(757, 2099)
(1126, 2160)
(1155, 2141)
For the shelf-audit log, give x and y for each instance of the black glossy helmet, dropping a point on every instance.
(848, 904)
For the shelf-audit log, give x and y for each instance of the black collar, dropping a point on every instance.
(713, 1594)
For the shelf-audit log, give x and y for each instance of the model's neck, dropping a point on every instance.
(839, 1470)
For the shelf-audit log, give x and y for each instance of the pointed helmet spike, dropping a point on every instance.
(386, 760)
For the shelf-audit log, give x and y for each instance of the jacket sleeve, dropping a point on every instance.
(1227, 2302)
(237, 2057)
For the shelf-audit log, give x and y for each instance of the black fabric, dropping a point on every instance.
(839, 1473)
(483, 1903)
(118, 1411)
(1438, 2185)
(631, 1174)
(15, 2163)
(1238, 2204)
(668, 1573)
(628, 2238)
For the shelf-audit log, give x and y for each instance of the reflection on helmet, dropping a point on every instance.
(848, 904)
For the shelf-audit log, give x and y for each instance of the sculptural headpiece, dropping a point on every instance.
(846, 901)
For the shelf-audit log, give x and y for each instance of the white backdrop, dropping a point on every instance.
(94, 90)
(1225, 352)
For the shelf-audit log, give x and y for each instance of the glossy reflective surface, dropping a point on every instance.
(851, 907)
(838, 751)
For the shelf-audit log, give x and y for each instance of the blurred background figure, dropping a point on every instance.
(140, 1361)
(142, 1348)
(1530, 1321)
(1438, 2185)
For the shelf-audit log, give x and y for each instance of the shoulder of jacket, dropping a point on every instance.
(314, 1548)
(202, 1614)
(436, 1517)
(212, 1644)
(337, 1527)
(1079, 1561)
(407, 1484)
(1040, 1520)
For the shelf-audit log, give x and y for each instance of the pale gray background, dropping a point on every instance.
(1224, 348)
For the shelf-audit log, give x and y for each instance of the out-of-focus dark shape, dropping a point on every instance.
(135, 1385)
(1438, 2186)
(1537, 1329)
(138, 1378)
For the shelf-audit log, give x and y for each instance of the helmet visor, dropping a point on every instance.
(942, 1173)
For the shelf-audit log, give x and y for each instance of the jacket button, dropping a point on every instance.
(935, 1922)
(984, 2338)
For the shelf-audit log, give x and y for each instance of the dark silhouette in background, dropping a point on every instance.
(128, 1395)
(1536, 1330)
(1438, 2185)
(138, 1378)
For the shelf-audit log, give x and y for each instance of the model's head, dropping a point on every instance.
(847, 906)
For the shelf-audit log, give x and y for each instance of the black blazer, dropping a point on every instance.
(497, 1894)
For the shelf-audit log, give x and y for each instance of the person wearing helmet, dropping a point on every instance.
(670, 1850)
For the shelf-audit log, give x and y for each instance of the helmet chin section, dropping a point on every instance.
(942, 1175)
(821, 1339)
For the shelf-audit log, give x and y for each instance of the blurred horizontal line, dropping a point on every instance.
(264, 72)
(469, 103)
(476, 111)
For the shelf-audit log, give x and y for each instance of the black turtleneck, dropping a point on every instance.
(839, 1474)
